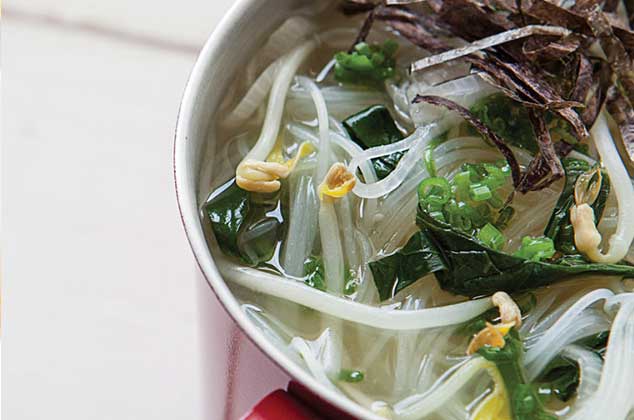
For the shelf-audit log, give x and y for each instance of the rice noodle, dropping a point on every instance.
(589, 322)
(277, 96)
(539, 354)
(317, 356)
(613, 398)
(590, 365)
(419, 406)
(414, 144)
(302, 228)
(298, 292)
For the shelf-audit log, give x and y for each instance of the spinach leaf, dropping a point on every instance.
(561, 375)
(525, 403)
(559, 227)
(314, 273)
(473, 269)
(560, 378)
(416, 259)
(227, 209)
(597, 342)
(246, 225)
(373, 127)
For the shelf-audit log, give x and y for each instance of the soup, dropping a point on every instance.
(427, 205)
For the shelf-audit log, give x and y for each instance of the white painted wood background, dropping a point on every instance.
(104, 313)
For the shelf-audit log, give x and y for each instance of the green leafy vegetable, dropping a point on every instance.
(525, 403)
(246, 225)
(367, 64)
(351, 283)
(373, 127)
(227, 209)
(473, 269)
(561, 376)
(559, 227)
(416, 259)
(348, 375)
(597, 342)
(314, 273)
(509, 119)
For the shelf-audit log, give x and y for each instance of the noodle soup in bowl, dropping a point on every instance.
(230, 47)
(389, 238)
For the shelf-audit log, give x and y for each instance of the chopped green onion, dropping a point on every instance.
(536, 249)
(434, 191)
(491, 237)
(462, 181)
(428, 157)
(348, 375)
(479, 192)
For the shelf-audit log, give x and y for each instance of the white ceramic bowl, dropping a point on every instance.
(242, 31)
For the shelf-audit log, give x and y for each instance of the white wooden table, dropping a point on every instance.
(104, 313)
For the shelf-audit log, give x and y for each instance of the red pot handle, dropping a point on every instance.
(281, 405)
(299, 403)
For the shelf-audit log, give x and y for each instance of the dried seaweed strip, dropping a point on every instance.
(563, 148)
(548, 49)
(623, 116)
(610, 6)
(353, 7)
(583, 6)
(546, 94)
(597, 96)
(401, 2)
(418, 36)
(470, 21)
(364, 31)
(482, 128)
(547, 151)
(583, 79)
(611, 45)
(429, 22)
(488, 42)
(552, 14)
(504, 81)
(555, 15)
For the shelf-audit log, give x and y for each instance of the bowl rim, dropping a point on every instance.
(193, 229)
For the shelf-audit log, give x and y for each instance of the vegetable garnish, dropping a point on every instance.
(374, 127)
(501, 344)
(474, 269)
(367, 64)
(246, 225)
(524, 400)
(353, 376)
(338, 182)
